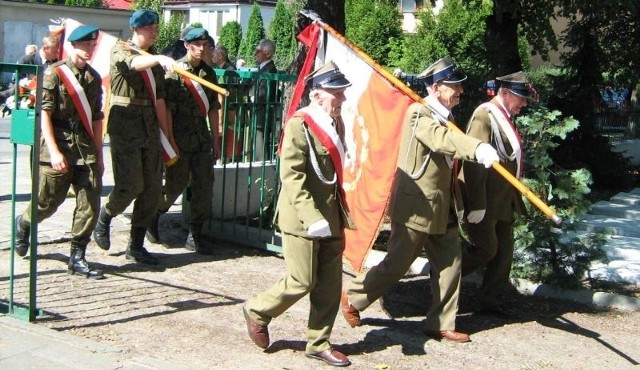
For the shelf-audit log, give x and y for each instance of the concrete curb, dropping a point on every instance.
(584, 296)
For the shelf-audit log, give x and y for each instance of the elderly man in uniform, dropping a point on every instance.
(71, 148)
(421, 207)
(312, 218)
(488, 198)
(190, 104)
(137, 112)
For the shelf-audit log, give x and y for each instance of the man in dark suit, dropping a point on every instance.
(265, 95)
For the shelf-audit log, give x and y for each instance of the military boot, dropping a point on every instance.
(153, 234)
(136, 251)
(101, 233)
(195, 241)
(23, 232)
(79, 265)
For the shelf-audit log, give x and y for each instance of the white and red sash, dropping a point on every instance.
(168, 154)
(499, 115)
(78, 96)
(197, 91)
(320, 124)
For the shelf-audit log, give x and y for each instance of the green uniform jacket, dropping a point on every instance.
(134, 123)
(78, 148)
(482, 189)
(424, 203)
(303, 198)
(190, 128)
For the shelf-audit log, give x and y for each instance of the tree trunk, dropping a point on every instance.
(501, 39)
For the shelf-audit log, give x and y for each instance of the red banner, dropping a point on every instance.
(373, 115)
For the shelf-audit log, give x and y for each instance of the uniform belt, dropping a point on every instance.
(123, 100)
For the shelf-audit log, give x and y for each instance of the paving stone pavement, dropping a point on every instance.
(29, 346)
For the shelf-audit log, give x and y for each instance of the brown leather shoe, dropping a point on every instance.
(331, 357)
(350, 313)
(450, 335)
(259, 334)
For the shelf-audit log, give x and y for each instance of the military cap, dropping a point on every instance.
(327, 77)
(444, 70)
(143, 17)
(517, 83)
(196, 34)
(84, 33)
(184, 32)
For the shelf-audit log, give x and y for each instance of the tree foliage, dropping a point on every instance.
(168, 31)
(253, 35)
(544, 253)
(375, 26)
(282, 32)
(230, 37)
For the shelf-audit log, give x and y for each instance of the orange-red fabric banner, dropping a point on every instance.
(373, 115)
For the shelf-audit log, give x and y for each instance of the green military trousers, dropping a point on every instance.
(492, 247)
(53, 188)
(404, 246)
(197, 166)
(314, 267)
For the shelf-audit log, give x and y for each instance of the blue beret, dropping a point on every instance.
(84, 33)
(143, 17)
(196, 34)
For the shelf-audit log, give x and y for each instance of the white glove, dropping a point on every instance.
(476, 216)
(319, 229)
(486, 155)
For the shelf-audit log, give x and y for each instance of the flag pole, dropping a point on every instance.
(533, 198)
(181, 71)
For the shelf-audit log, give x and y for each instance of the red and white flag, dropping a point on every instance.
(100, 62)
(373, 114)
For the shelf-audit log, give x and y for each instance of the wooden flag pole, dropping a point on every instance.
(534, 199)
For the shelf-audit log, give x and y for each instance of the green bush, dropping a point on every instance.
(543, 252)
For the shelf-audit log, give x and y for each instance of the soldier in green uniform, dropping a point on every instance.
(71, 148)
(312, 218)
(421, 206)
(136, 114)
(190, 104)
(490, 200)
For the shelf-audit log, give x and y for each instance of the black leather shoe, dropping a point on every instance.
(153, 234)
(141, 256)
(331, 356)
(23, 230)
(259, 334)
(102, 230)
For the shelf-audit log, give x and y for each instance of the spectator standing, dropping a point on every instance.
(489, 199)
(190, 104)
(137, 110)
(421, 207)
(312, 220)
(71, 148)
(264, 94)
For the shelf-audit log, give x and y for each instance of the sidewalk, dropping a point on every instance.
(29, 346)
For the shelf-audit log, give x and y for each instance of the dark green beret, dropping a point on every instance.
(84, 33)
(196, 34)
(143, 17)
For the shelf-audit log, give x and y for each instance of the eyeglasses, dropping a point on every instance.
(260, 51)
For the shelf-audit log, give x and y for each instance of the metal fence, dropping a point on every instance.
(246, 177)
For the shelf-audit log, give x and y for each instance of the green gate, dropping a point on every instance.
(246, 177)
(25, 130)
